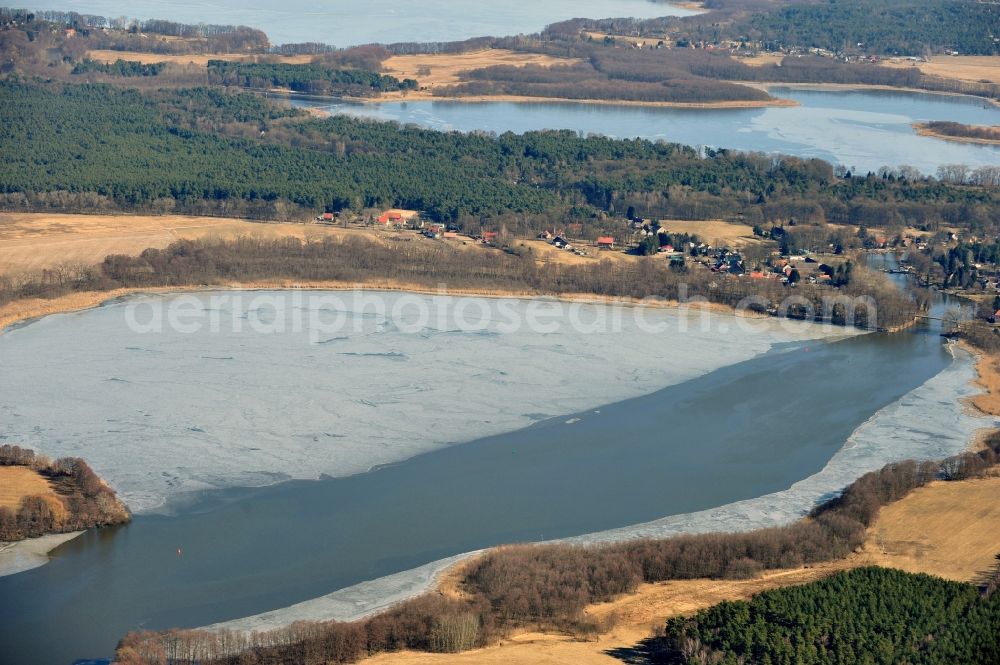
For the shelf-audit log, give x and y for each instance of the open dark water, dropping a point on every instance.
(742, 431)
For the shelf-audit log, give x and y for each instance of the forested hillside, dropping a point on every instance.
(314, 79)
(883, 27)
(887, 27)
(93, 147)
(869, 615)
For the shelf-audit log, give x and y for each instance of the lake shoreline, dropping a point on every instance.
(862, 87)
(22, 312)
(24, 555)
(428, 96)
(776, 102)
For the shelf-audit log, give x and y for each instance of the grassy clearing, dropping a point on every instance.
(17, 482)
(976, 68)
(432, 71)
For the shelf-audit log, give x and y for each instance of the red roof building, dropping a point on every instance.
(606, 242)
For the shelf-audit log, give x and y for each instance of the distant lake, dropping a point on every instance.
(861, 129)
(348, 23)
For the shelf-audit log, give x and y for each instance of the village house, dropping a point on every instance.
(606, 242)
(397, 218)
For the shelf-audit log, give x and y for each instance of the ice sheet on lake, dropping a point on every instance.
(162, 414)
(930, 422)
(351, 603)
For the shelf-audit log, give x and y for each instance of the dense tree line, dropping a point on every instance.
(83, 501)
(870, 615)
(883, 27)
(119, 68)
(313, 79)
(116, 144)
(550, 585)
(890, 27)
(208, 152)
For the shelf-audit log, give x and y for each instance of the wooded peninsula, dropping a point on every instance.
(53, 496)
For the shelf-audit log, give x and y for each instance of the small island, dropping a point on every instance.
(956, 131)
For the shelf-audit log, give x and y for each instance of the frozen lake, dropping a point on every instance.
(711, 414)
(367, 384)
(860, 129)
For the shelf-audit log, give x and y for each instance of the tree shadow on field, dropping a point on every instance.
(641, 653)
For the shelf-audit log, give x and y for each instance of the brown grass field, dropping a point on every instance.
(446, 69)
(188, 59)
(947, 529)
(763, 59)
(988, 368)
(33, 241)
(17, 482)
(30, 242)
(715, 232)
(962, 67)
